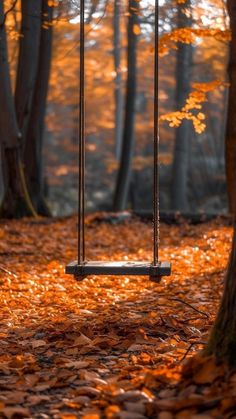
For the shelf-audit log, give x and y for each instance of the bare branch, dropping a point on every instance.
(190, 305)
(7, 12)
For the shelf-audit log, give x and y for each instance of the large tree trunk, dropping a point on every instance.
(179, 184)
(222, 341)
(125, 169)
(34, 136)
(27, 60)
(118, 80)
(230, 140)
(16, 202)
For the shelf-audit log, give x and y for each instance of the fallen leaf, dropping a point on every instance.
(38, 343)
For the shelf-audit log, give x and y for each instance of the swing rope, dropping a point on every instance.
(156, 205)
(81, 157)
(81, 190)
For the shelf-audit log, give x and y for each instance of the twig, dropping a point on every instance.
(90, 30)
(6, 271)
(7, 12)
(189, 349)
(190, 305)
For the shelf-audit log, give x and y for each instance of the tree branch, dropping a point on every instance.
(190, 305)
(7, 12)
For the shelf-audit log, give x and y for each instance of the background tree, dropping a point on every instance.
(21, 123)
(33, 146)
(184, 62)
(16, 201)
(118, 78)
(125, 168)
(31, 12)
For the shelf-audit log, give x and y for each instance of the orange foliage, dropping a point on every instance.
(108, 345)
(189, 36)
(190, 110)
(100, 74)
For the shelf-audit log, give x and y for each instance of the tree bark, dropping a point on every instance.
(16, 201)
(125, 168)
(222, 341)
(179, 184)
(34, 136)
(118, 80)
(27, 60)
(230, 139)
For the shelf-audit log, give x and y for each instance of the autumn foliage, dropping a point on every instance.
(192, 109)
(109, 347)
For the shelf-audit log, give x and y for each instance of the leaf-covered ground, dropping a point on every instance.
(108, 347)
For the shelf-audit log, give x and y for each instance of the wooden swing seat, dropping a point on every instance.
(119, 268)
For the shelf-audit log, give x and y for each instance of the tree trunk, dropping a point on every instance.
(179, 184)
(35, 129)
(27, 60)
(118, 81)
(16, 202)
(125, 169)
(222, 341)
(230, 139)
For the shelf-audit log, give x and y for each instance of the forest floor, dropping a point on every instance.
(110, 347)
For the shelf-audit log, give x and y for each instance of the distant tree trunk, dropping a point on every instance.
(230, 139)
(125, 169)
(92, 11)
(34, 136)
(16, 201)
(28, 59)
(118, 80)
(222, 341)
(179, 184)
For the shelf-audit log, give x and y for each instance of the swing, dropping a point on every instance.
(82, 268)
